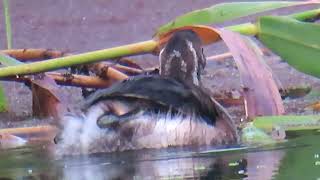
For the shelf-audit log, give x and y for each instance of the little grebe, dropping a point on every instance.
(158, 111)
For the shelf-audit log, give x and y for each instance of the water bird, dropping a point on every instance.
(156, 111)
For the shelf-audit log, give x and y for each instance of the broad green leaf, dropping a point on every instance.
(3, 101)
(296, 42)
(223, 12)
(288, 123)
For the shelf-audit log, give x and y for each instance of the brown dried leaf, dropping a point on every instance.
(10, 141)
(207, 34)
(260, 90)
(47, 99)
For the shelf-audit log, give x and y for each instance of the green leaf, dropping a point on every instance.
(288, 123)
(223, 12)
(8, 61)
(296, 42)
(3, 101)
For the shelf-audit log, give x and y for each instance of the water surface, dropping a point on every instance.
(297, 159)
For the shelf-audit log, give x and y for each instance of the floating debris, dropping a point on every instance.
(8, 141)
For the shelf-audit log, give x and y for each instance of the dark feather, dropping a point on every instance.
(163, 91)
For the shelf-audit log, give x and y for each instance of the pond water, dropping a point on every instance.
(298, 158)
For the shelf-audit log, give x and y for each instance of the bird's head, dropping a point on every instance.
(182, 58)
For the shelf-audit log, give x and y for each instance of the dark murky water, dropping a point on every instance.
(298, 158)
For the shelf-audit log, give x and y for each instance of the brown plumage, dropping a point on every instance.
(182, 58)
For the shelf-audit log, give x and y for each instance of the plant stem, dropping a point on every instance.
(8, 23)
(71, 80)
(33, 54)
(102, 69)
(306, 15)
(245, 29)
(100, 55)
(42, 133)
(252, 29)
(126, 50)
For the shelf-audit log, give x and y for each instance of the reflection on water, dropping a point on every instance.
(155, 166)
(263, 165)
(297, 159)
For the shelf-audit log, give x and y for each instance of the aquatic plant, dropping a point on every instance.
(6, 13)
